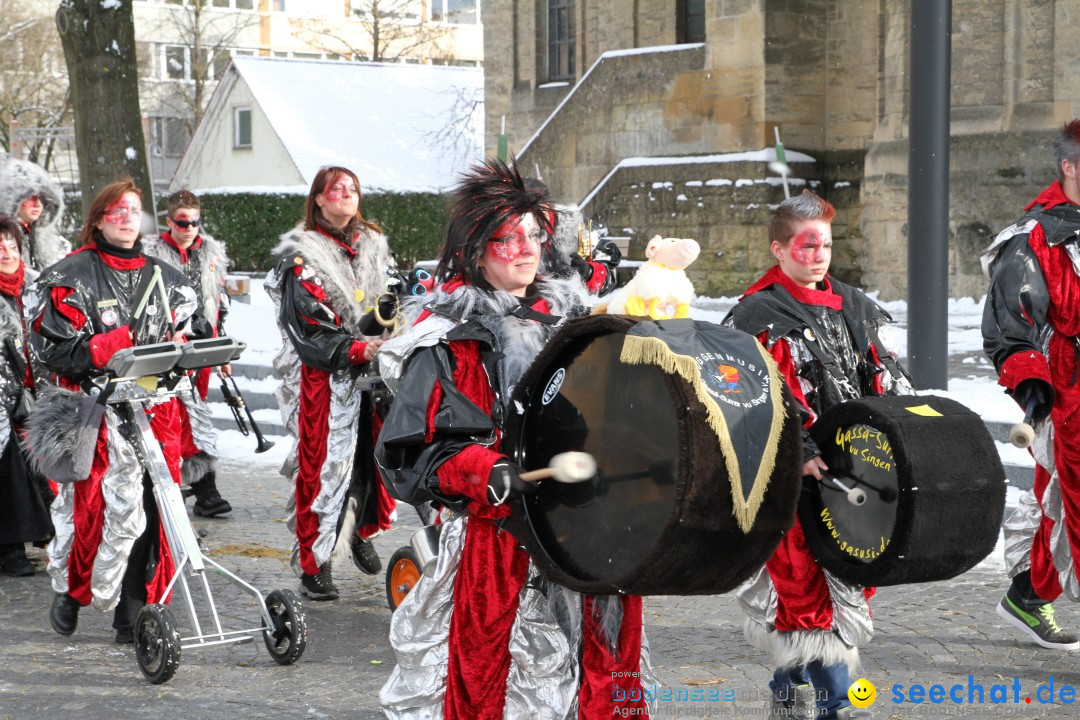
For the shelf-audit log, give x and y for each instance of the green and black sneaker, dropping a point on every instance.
(1037, 622)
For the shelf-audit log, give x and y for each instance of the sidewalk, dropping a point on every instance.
(928, 634)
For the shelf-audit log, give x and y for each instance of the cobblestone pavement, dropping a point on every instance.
(929, 634)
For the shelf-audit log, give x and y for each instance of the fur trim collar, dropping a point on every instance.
(519, 341)
(213, 265)
(341, 279)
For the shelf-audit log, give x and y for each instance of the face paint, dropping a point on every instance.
(121, 211)
(342, 188)
(510, 241)
(31, 201)
(9, 243)
(805, 246)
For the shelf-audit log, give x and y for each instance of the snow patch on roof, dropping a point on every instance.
(379, 120)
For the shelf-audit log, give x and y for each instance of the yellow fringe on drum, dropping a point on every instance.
(653, 351)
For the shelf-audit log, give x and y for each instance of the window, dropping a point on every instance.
(560, 33)
(278, 6)
(219, 62)
(690, 21)
(168, 136)
(174, 62)
(459, 12)
(242, 128)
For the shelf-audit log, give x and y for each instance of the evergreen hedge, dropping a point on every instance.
(250, 224)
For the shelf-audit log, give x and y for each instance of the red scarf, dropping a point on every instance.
(805, 295)
(12, 285)
(195, 245)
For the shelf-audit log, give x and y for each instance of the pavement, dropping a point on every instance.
(938, 633)
(944, 633)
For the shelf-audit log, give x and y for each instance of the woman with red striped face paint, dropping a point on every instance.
(109, 547)
(330, 271)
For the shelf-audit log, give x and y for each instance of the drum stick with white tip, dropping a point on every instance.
(567, 467)
(1022, 433)
(855, 496)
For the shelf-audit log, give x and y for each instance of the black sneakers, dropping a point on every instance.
(64, 615)
(208, 501)
(1036, 622)
(319, 586)
(364, 555)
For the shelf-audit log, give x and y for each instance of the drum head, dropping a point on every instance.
(933, 483)
(855, 505)
(625, 417)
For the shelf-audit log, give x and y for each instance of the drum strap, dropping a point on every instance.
(527, 313)
(883, 355)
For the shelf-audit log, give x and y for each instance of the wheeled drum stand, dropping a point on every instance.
(148, 373)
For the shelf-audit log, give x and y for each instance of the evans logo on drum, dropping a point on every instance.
(553, 386)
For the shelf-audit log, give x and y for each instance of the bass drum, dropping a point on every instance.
(660, 518)
(915, 491)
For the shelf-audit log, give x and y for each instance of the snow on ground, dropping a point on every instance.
(254, 323)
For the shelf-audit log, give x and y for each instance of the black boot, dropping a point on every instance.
(319, 586)
(208, 501)
(364, 555)
(13, 560)
(64, 615)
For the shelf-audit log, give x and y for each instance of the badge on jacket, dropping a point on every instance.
(109, 317)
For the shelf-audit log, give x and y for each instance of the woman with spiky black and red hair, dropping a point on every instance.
(486, 636)
(1031, 331)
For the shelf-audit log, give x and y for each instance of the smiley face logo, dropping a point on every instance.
(862, 693)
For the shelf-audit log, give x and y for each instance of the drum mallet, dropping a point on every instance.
(567, 467)
(855, 496)
(1022, 433)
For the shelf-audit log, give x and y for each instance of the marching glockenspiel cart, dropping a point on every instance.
(145, 374)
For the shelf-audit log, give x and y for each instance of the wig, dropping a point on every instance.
(487, 197)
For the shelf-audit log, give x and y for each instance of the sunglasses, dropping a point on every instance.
(32, 200)
(185, 224)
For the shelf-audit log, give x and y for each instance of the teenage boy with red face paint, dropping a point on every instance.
(827, 339)
(330, 270)
(1031, 331)
(486, 636)
(190, 249)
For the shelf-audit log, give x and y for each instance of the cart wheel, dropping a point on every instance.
(157, 643)
(288, 637)
(402, 574)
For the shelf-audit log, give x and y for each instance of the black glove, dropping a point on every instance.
(505, 482)
(1038, 393)
(581, 266)
(607, 252)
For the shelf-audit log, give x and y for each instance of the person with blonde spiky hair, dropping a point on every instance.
(1031, 326)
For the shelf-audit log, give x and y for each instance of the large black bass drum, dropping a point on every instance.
(698, 447)
(915, 491)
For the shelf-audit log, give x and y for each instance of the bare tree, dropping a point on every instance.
(390, 30)
(98, 37)
(207, 35)
(34, 91)
(458, 139)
